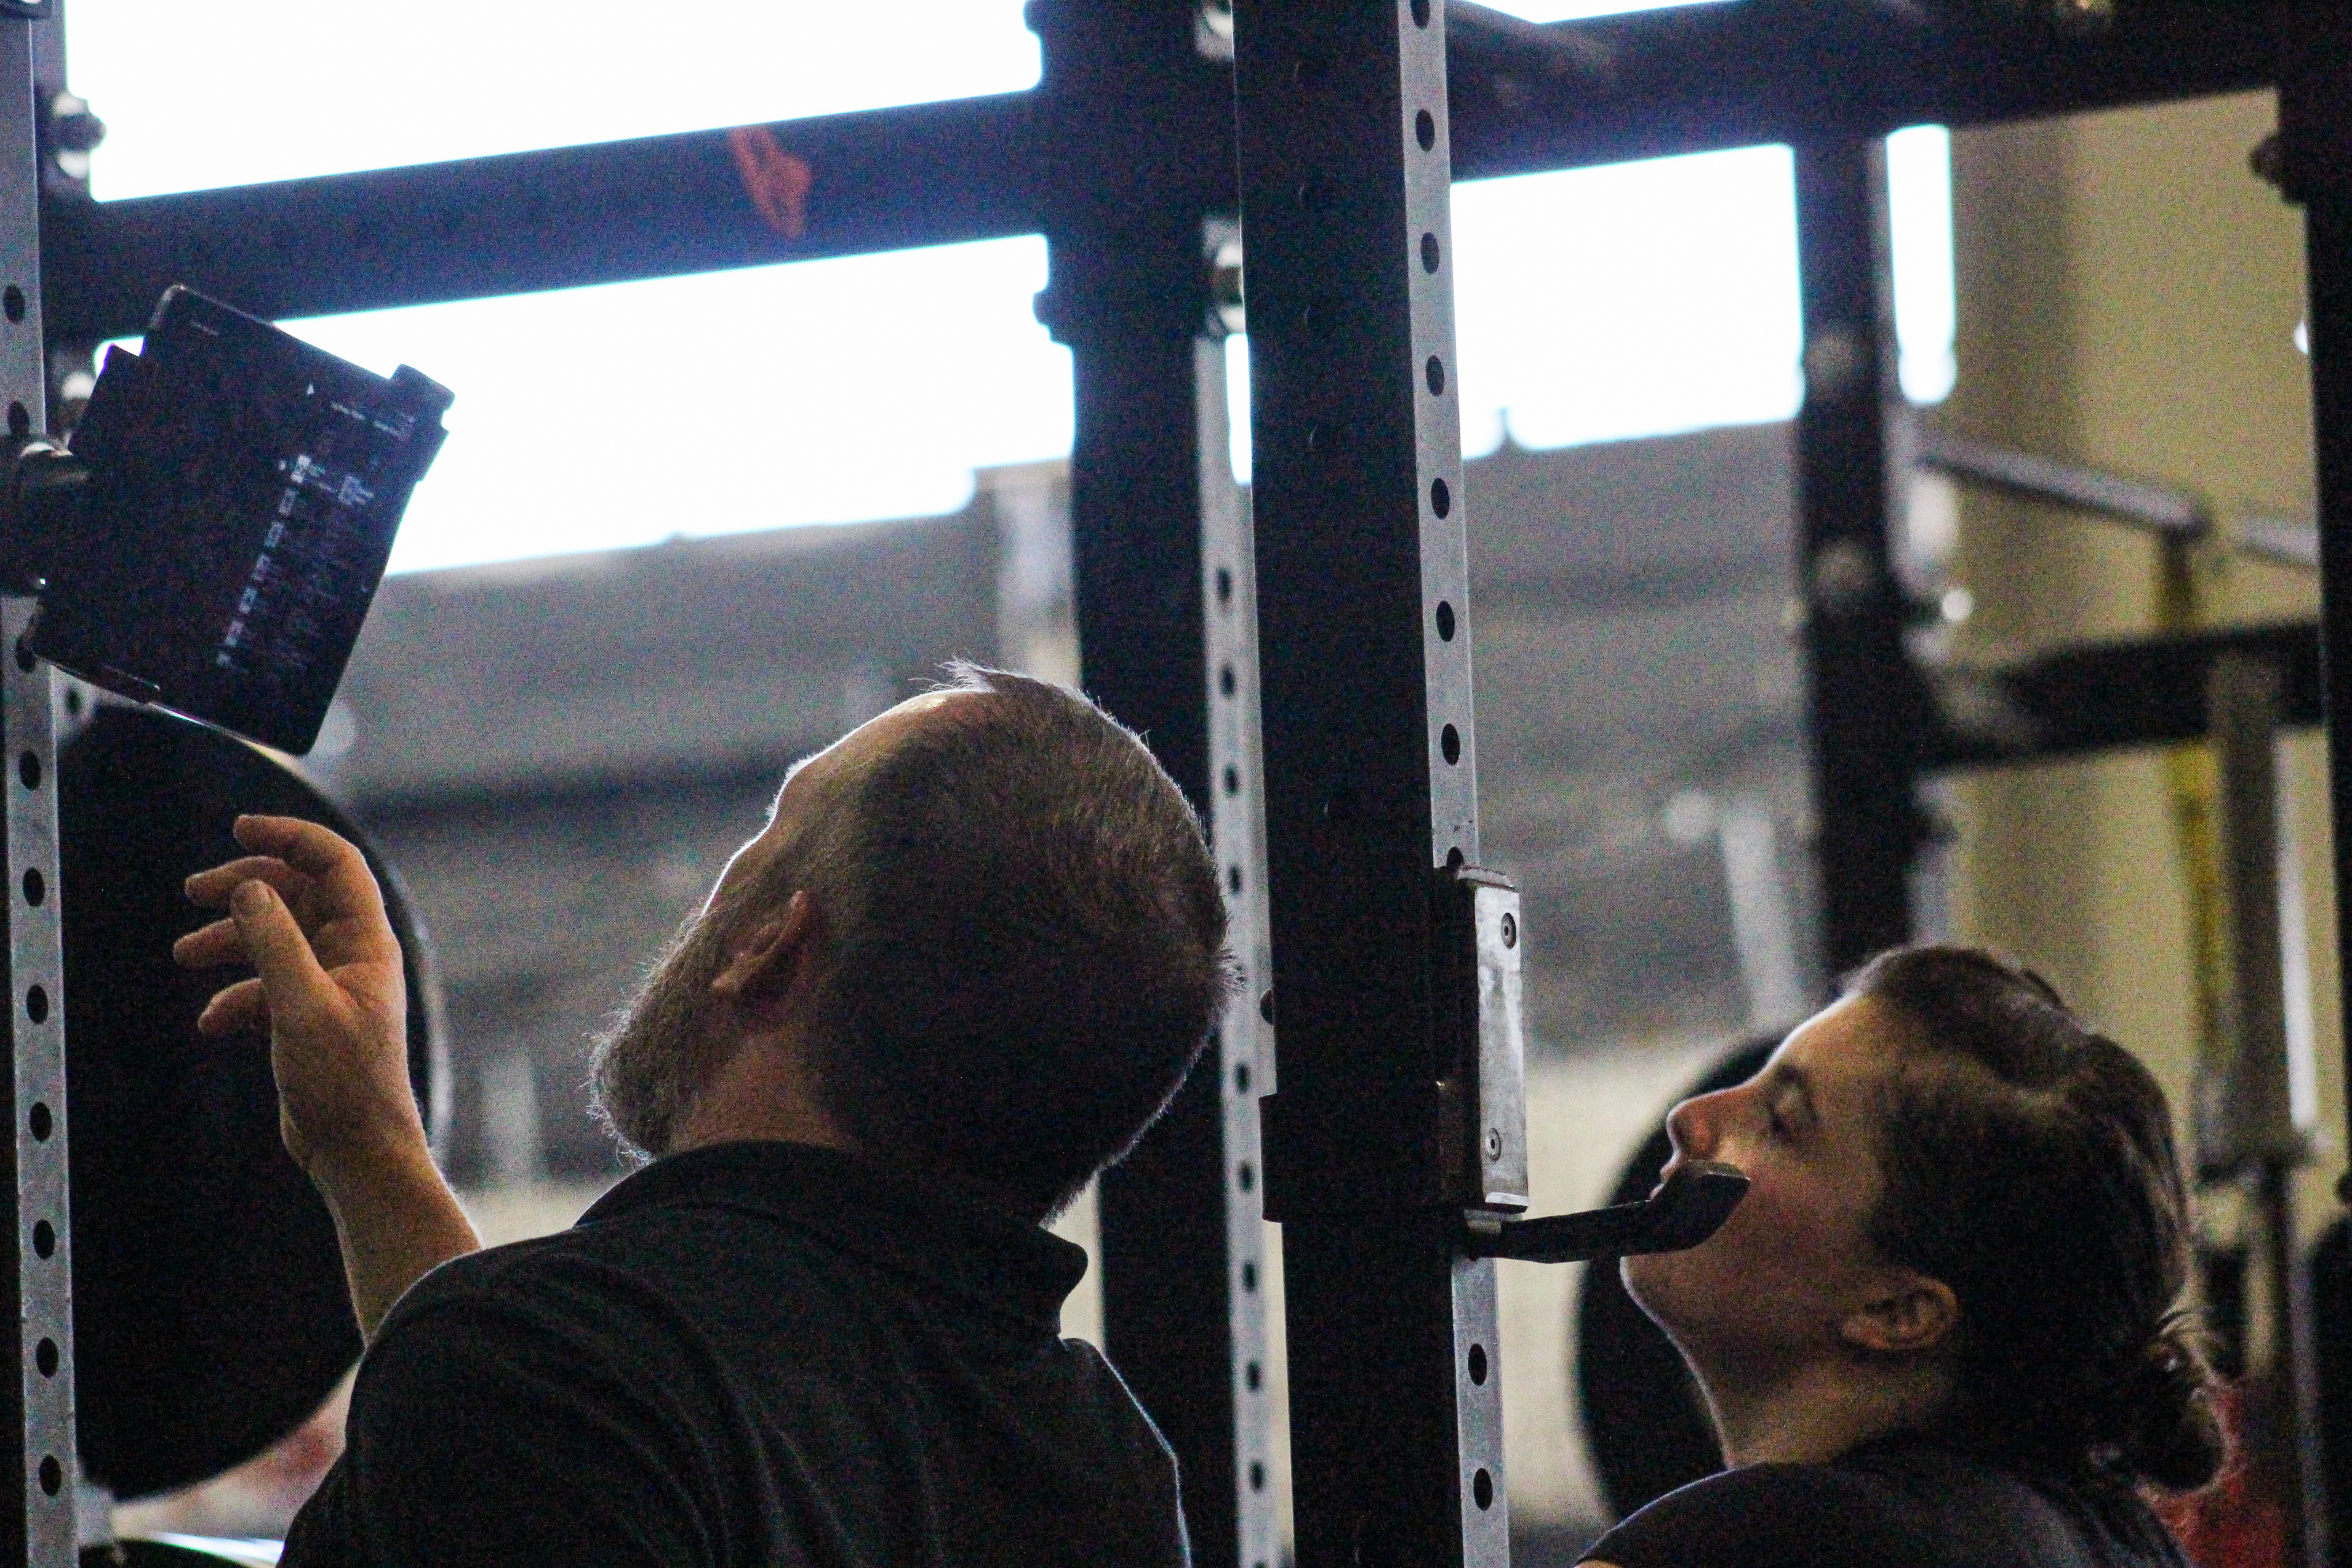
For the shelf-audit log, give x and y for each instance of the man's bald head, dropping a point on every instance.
(1023, 936)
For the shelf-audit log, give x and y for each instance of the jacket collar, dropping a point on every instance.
(988, 1257)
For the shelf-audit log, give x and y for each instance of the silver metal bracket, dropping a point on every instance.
(1478, 911)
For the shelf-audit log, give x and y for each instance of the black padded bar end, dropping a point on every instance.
(1691, 1205)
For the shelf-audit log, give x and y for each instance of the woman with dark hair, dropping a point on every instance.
(1943, 1328)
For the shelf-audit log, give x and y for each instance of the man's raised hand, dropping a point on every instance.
(305, 911)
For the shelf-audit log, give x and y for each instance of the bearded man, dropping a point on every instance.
(970, 957)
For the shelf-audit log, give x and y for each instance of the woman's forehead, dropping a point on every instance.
(1841, 1054)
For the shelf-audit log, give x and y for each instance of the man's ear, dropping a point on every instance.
(1904, 1313)
(769, 954)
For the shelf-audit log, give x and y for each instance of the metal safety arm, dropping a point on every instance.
(1688, 1207)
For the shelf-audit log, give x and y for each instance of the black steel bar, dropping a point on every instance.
(2161, 508)
(2099, 697)
(1867, 708)
(931, 174)
(1524, 98)
(2314, 166)
(1155, 519)
(1698, 77)
(1396, 1452)
(39, 1471)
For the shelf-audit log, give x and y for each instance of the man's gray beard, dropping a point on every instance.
(661, 1047)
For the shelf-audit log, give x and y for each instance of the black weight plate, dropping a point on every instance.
(148, 1555)
(210, 1312)
(2331, 1302)
(1644, 1423)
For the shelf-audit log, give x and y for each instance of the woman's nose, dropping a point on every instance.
(1691, 1127)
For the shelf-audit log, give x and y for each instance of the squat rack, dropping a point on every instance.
(1354, 116)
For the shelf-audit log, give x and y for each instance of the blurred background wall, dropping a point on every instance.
(2130, 296)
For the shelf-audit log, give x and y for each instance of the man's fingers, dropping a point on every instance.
(210, 890)
(305, 846)
(341, 891)
(241, 1008)
(209, 947)
(290, 975)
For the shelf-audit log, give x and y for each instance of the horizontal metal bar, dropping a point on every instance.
(1693, 78)
(2159, 508)
(931, 174)
(2279, 539)
(2139, 691)
(1524, 98)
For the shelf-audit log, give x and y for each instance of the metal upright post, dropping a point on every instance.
(2311, 160)
(40, 1484)
(1167, 643)
(1372, 796)
(2312, 164)
(1866, 707)
(2243, 1104)
(1168, 1308)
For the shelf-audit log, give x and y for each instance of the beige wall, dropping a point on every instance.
(2129, 294)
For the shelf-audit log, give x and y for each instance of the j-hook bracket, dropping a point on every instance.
(1479, 910)
(1689, 1206)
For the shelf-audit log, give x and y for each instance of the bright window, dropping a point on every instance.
(1919, 213)
(1644, 298)
(817, 391)
(1631, 299)
(1592, 305)
(226, 94)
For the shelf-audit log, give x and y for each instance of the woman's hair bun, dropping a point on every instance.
(2164, 1427)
